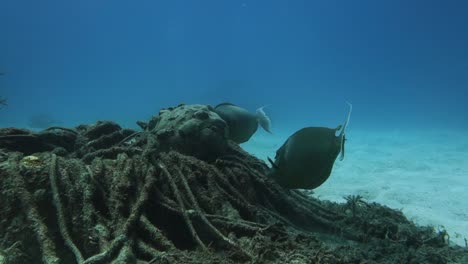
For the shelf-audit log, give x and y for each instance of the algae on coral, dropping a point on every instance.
(103, 194)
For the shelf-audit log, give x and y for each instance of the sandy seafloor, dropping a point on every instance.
(423, 173)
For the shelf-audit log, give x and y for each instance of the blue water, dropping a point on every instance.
(401, 63)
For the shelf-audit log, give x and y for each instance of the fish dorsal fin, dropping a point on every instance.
(224, 104)
(343, 131)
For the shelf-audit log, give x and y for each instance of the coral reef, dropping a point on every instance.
(180, 192)
(195, 130)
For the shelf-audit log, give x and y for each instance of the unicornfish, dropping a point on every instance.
(242, 124)
(306, 159)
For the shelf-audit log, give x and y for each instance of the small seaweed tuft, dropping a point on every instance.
(353, 202)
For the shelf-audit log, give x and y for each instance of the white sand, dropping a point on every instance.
(422, 173)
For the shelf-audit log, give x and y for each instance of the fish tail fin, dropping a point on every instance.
(343, 130)
(263, 119)
(273, 164)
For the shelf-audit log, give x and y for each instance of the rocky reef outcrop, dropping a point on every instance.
(178, 191)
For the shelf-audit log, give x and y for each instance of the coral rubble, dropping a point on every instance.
(180, 192)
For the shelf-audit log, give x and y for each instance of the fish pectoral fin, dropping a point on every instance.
(273, 164)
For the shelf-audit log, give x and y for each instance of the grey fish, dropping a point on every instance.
(306, 159)
(242, 124)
